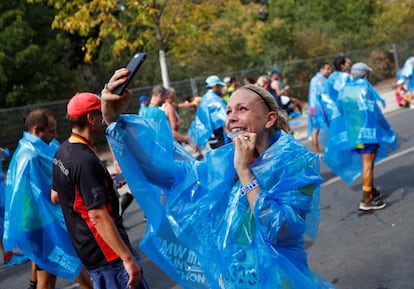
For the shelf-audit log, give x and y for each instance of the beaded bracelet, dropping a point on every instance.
(250, 186)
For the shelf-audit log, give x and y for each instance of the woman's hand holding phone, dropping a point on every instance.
(133, 66)
(115, 95)
(113, 104)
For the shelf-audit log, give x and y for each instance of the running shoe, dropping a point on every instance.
(16, 259)
(372, 205)
(375, 194)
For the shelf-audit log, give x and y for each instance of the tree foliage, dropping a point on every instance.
(34, 64)
(52, 48)
(131, 24)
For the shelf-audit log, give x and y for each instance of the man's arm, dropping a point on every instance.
(170, 112)
(54, 197)
(106, 228)
(279, 90)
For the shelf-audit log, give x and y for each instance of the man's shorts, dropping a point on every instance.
(366, 148)
(114, 276)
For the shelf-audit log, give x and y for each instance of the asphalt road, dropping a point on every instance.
(353, 250)
(357, 250)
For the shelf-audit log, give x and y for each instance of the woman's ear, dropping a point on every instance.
(271, 119)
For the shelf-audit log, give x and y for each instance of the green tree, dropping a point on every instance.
(393, 23)
(134, 25)
(34, 59)
(324, 27)
(92, 37)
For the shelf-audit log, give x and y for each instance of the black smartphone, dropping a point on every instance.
(133, 67)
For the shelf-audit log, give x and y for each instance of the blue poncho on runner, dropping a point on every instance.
(211, 115)
(200, 230)
(332, 86)
(317, 116)
(358, 120)
(3, 154)
(2, 197)
(407, 73)
(32, 223)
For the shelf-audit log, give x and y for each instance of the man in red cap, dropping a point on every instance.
(90, 203)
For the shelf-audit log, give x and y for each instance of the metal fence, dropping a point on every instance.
(385, 60)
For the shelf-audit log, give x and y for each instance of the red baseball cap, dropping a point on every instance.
(82, 103)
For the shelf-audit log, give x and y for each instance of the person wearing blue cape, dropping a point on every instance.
(358, 136)
(207, 126)
(236, 219)
(317, 116)
(10, 258)
(32, 223)
(143, 104)
(407, 73)
(335, 83)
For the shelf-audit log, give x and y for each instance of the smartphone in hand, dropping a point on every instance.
(133, 67)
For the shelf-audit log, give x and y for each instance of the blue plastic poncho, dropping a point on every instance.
(211, 115)
(407, 73)
(317, 116)
(32, 223)
(4, 154)
(200, 231)
(358, 120)
(334, 84)
(2, 197)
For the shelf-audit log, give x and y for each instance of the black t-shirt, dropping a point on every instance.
(218, 139)
(83, 183)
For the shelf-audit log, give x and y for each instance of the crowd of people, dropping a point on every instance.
(241, 208)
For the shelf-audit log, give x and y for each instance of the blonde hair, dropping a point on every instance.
(262, 80)
(268, 102)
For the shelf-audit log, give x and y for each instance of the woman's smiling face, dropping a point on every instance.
(246, 111)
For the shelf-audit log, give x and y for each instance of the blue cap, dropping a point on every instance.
(214, 80)
(143, 98)
(276, 71)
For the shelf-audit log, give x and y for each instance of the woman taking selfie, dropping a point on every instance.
(242, 212)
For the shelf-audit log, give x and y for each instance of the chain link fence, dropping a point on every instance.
(385, 60)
